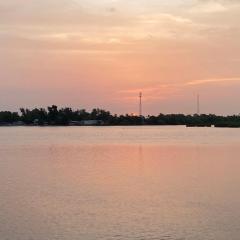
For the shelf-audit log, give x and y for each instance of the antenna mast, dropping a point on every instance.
(198, 104)
(140, 104)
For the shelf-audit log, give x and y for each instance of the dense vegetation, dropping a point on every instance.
(64, 116)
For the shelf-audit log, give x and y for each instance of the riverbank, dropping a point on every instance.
(54, 116)
(105, 125)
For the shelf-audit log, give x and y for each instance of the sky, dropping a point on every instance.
(102, 53)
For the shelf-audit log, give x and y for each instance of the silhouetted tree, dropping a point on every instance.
(62, 116)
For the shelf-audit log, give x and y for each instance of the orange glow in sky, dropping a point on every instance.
(92, 53)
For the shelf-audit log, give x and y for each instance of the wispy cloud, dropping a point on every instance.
(163, 17)
(208, 7)
(214, 80)
(160, 91)
(213, 6)
(121, 44)
(164, 91)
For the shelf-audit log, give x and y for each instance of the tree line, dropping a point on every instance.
(64, 116)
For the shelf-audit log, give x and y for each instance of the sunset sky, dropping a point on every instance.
(101, 53)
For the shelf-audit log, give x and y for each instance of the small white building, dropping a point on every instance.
(91, 122)
(86, 123)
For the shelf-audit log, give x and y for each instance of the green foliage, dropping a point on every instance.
(64, 116)
(8, 117)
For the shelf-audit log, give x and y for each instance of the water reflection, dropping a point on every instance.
(118, 191)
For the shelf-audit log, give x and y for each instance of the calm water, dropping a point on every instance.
(87, 183)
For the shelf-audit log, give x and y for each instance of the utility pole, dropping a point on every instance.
(198, 104)
(140, 104)
(140, 108)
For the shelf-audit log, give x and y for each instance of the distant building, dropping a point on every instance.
(86, 123)
(92, 122)
(35, 122)
(5, 124)
(18, 123)
(74, 123)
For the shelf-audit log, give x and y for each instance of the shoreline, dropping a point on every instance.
(143, 125)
